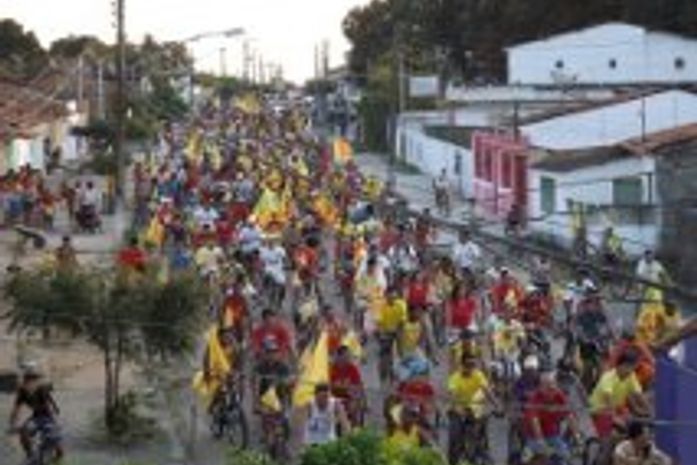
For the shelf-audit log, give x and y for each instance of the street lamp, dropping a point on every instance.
(227, 33)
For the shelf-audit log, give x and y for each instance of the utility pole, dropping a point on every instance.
(80, 80)
(223, 62)
(120, 98)
(100, 90)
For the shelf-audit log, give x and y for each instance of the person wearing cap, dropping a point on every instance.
(36, 396)
(536, 308)
(324, 417)
(617, 394)
(544, 415)
(528, 381)
(271, 371)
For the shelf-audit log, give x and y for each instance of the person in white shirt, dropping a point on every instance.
(209, 258)
(466, 253)
(323, 417)
(206, 214)
(638, 448)
(650, 269)
(89, 197)
(250, 238)
(273, 258)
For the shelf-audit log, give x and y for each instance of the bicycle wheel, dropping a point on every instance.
(237, 428)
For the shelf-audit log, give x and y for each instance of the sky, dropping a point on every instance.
(283, 31)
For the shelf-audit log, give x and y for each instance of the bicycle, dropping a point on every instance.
(468, 439)
(228, 418)
(275, 435)
(45, 443)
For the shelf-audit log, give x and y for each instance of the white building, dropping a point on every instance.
(613, 53)
(610, 124)
(606, 186)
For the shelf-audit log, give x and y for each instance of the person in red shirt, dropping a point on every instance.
(235, 313)
(505, 293)
(535, 309)
(415, 387)
(224, 230)
(306, 261)
(132, 257)
(547, 410)
(418, 291)
(347, 384)
(205, 236)
(462, 307)
(273, 329)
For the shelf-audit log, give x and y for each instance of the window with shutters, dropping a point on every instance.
(548, 194)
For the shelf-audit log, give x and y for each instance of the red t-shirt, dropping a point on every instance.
(342, 376)
(275, 331)
(238, 212)
(132, 257)
(500, 292)
(417, 392)
(462, 312)
(551, 408)
(387, 239)
(417, 294)
(225, 232)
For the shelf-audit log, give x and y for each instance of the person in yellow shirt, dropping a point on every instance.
(469, 393)
(617, 394)
(409, 432)
(390, 319)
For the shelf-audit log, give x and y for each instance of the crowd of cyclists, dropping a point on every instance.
(302, 252)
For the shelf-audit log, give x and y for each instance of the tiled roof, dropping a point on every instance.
(22, 108)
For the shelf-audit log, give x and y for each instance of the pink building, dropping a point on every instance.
(500, 172)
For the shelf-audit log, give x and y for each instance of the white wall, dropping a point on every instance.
(431, 156)
(639, 57)
(593, 186)
(616, 123)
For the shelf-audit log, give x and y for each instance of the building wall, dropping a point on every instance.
(614, 123)
(500, 172)
(616, 54)
(594, 186)
(432, 155)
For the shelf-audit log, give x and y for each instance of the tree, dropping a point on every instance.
(21, 54)
(73, 46)
(125, 319)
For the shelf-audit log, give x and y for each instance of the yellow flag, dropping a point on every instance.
(218, 360)
(271, 401)
(314, 369)
(155, 233)
(343, 152)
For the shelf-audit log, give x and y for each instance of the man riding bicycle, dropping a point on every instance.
(545, 414)
(347, 385)
(469, 392)
(324, 417)
(391, 317)
(37, 397)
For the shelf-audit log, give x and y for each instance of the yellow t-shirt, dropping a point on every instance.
(405, 440)
(468, 391)
(410, 338)
(391, 316)
(617, 389)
